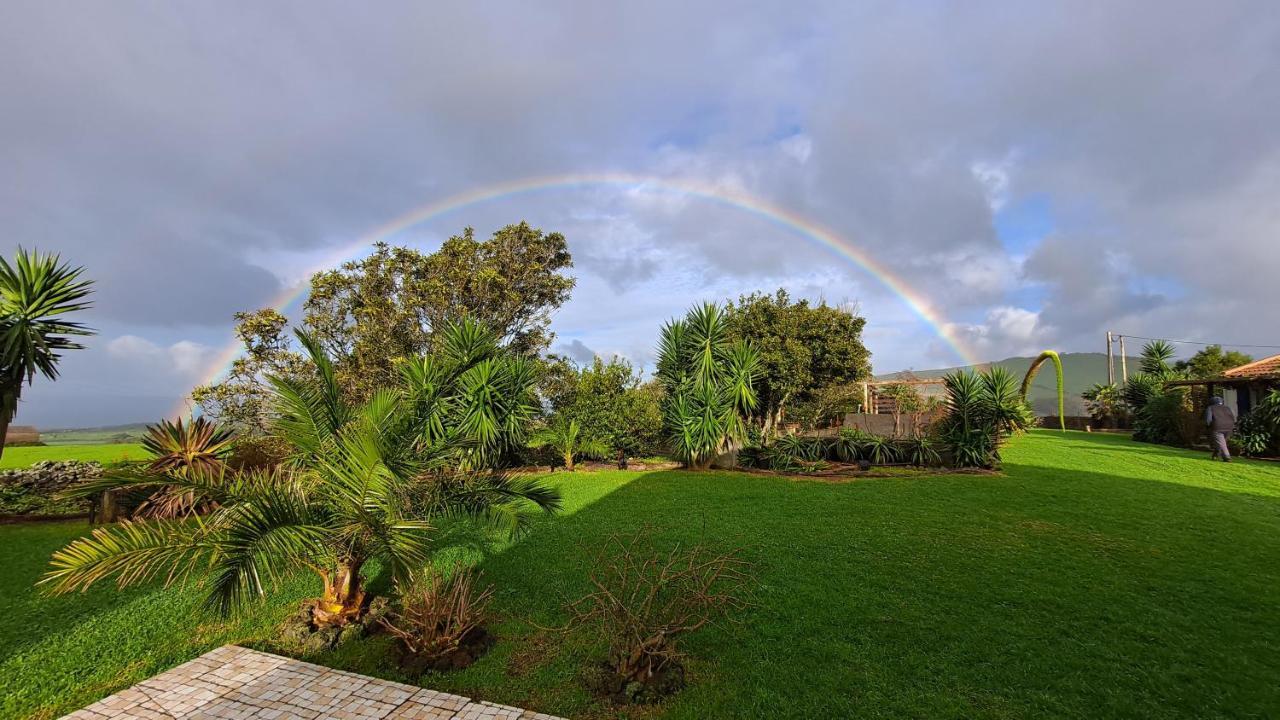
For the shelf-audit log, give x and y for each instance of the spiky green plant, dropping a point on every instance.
(879, 450)
(982, 409)
(200, 444)
(362, 483)
(709, 383)
(566, 438)
(36, 293)
(1157, 358)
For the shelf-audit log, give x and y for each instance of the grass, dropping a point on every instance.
(1096, 578)
(20, 457)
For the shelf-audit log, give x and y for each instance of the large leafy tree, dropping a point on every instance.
(1211, 362)
(803, 347)
(372, 312)
(241, 400)
(709, 381)
(609, 400)
(37, 292)
(363, 482)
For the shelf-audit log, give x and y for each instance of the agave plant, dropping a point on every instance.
(565, 437)
(709, 383)
(363, 483)
(36, 291)
(922, 452)
(174, 446)
(848, 445)
(879, 450)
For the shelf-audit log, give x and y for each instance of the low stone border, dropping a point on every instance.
(235, 683)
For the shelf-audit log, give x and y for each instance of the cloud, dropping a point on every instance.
(577, 352)
(179, 151)
(183, 358)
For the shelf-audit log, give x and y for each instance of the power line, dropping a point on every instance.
(1197, 342)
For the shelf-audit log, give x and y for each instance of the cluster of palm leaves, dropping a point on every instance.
(565, 436)
(709, 383)
(362, 482)
(37, 291)
(982, 409)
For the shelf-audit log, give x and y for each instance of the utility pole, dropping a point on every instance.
(1111, 362)
(1124, 363)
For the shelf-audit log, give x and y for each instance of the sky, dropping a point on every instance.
(1034, 173)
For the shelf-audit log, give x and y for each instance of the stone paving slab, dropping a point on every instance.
(235, 683)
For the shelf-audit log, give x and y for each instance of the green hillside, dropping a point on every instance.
(131, 433)
(1080, 372)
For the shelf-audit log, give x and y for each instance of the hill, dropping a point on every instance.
(130, 433)
(1080, 371)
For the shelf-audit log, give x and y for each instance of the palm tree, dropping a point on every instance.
(709, 383)
(362, 483)
(36, 291)
(1157, 357)
(565, 437)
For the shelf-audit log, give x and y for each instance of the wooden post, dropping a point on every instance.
(1111, 362)
(1124, 363)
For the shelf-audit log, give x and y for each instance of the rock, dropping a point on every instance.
(50, 476)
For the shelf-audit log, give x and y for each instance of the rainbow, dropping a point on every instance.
(728, 197)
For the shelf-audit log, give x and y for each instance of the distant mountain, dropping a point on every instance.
(1080, 371)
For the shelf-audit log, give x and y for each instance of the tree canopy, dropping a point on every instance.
(389, 305)
(1212, 361)
(804, 348)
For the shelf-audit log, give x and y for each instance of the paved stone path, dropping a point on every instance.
(235, 683)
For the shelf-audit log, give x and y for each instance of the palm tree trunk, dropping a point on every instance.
(568, 461)
(4, 430)
(343, 599)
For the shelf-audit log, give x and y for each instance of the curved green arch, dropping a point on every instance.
(1031, 374)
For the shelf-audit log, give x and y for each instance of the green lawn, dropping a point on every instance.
(20, 457)
(1097, 578)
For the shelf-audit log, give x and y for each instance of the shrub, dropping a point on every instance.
(257, 453)
(644, 600)
(440, 621)
(799, 447)
(1167, 417)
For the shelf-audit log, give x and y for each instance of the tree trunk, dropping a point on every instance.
(343, 599)
(4, 430)
(568, 462)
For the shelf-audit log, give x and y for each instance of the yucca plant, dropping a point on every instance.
(36, 292)
(200, 444)
(800, 447)
(566, 438)
(982, 409)
(709, 383)
(362, 483)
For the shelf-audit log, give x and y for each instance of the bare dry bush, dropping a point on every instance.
(440, 621)
(645, 600)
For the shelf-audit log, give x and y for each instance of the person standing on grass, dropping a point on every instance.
(1221, 422)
